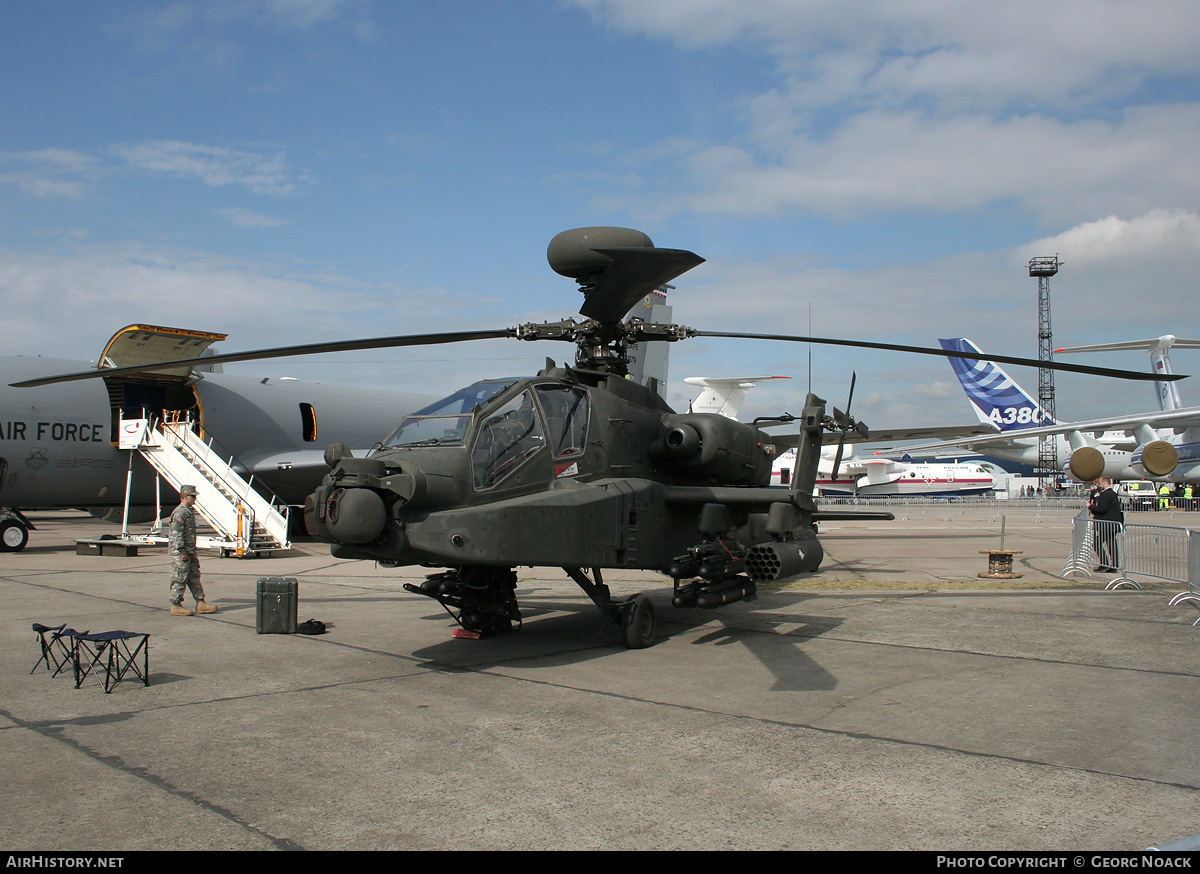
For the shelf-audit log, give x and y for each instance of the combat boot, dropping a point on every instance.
(204, 607)
(180, 610)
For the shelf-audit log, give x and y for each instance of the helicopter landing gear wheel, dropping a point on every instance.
(13, 536)
(638, 622)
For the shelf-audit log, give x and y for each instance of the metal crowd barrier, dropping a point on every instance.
(1071, 502)
(1160, 551)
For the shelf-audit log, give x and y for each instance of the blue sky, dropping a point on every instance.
(301, 170)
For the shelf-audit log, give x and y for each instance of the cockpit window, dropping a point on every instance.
(445, 422)
(566, 410)
(507, 438)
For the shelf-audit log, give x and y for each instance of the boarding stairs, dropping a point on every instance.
(243, 522)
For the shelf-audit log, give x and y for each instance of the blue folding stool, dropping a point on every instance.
(115, 653)
(57, 646)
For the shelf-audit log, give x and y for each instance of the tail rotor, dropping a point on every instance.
(844, 423)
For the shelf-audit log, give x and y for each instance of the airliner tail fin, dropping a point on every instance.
(998, 400)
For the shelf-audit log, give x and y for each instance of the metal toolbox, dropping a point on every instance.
(276, 605)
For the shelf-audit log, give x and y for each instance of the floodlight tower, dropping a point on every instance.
(1043, 269)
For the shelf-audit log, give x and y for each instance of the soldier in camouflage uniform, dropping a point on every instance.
(185, 564)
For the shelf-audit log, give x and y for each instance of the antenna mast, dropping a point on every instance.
(1043, 269)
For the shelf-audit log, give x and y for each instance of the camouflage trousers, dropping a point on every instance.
(185, 572)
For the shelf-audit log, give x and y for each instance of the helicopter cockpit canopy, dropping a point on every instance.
(515, 432)
(445, 422)
(509, 431)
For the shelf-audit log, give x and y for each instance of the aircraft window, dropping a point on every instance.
(506, 440)
(566, 410)
(444, 422)
(308, 422)
(430, 431)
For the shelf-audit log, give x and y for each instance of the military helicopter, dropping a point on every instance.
(581, 468)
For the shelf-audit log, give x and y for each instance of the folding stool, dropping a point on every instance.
(115, 653)
(57, 645)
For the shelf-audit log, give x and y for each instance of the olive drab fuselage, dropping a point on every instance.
(578, 467)
(567, 469)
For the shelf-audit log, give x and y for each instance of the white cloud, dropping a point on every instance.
(887, 162)
(156, 29)
(306, 13)
(215, 165)
(51, 173)
(1158, 235)
(882, 106)
(71, 174)
(66, 304)
(241, 217)
(1132, 277)
(897, 48)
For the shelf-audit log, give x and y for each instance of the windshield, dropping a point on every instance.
(445, 422)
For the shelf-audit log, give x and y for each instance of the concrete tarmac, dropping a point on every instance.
(892, 701)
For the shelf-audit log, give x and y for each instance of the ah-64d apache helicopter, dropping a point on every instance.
(581, 468)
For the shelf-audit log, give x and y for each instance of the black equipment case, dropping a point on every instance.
(276, 608)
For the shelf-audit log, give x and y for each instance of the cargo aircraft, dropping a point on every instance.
(58, 443)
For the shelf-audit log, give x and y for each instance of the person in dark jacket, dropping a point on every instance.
(1105, 508)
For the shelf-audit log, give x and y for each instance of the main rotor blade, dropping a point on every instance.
(277, 352)
(947, 353)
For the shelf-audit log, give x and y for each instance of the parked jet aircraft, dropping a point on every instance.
(877, 476)
(1173, 450)
(58, 444)
(1159, 349)
(1120, 447)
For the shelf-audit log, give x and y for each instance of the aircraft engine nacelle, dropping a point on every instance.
(1086, 464)
(713, 446)
(1159, 458)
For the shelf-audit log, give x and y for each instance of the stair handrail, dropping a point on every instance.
(176, 418)
(175, 428)
(213, 448)
(176, 484)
